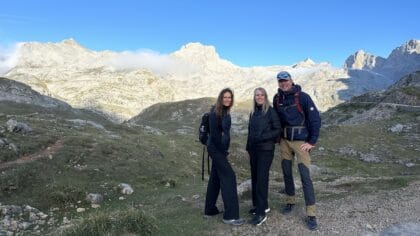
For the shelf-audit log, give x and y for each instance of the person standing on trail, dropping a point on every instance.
(263, 130)
(222, 177)
(301, 123)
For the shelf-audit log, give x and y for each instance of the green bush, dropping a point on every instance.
(65, 195)
(114, 223)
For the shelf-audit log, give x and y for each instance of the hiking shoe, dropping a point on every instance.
(235, 222)
(311, 223)
(253, 211)
(258, 220)
(208, 216)
(287, 209)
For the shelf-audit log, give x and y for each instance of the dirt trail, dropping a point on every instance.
(50, 150)
(369, 214)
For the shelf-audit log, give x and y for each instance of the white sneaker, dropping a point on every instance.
(235, 222)
(253, 211)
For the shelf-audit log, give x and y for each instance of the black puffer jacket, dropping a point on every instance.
(263, 130)
(219, 138)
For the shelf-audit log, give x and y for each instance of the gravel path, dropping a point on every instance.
(394, 212)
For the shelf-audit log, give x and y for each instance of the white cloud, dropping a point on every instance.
(158, 63)
(8, 57)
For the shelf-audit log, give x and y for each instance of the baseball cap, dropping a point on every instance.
(284, 75)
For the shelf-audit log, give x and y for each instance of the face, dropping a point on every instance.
(259, 97)
(227, 99)
(285, 85)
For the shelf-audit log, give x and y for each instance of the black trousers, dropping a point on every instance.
(260, 161)
(222, 177)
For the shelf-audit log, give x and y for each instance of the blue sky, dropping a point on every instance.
(247, 33)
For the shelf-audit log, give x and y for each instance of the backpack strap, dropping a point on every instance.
(297, 103)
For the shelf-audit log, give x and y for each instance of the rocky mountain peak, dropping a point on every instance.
(411, 46)
(305, 63)
(405, 57)
(362, 60)
(67, 53)
(201, 56)
(197, 50)
(65, 45)
(70, 41)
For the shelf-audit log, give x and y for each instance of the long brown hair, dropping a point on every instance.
(220, 109)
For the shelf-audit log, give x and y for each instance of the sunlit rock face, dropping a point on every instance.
(122, 84)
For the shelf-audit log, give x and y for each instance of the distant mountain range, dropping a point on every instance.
(121, 87)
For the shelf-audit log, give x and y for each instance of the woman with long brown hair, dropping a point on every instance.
(222, 177)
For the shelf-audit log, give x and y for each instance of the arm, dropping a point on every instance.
(248, 145)
(274, 132)
(313, 120)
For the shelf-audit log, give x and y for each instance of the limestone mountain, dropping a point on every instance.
(99, 80)
(305, 63)
(400, 62)
(363, 61)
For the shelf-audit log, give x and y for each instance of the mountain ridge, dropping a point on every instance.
(88, 79)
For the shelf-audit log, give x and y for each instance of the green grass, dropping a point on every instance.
(117, 222)
(91, 161)
(345, 111)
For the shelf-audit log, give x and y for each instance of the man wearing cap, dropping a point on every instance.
(301, 122)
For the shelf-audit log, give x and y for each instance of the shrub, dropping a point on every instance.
(114, 223)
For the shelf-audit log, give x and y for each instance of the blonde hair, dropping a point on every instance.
(265, 105)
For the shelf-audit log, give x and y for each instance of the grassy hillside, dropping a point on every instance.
(76, 152)
(96, 160)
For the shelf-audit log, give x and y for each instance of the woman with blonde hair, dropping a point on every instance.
(263, 129)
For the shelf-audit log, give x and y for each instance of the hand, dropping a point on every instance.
(306, 147)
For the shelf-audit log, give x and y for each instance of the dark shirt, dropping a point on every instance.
(219, 137)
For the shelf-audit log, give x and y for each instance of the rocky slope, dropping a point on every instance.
(404, 95)
(115, 84)
(13, 91)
